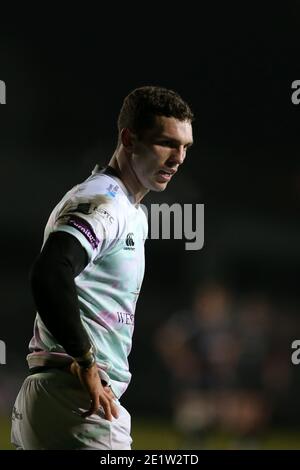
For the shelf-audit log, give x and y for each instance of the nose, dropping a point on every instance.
(178, 155)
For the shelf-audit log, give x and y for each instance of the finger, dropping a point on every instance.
(107, 409)
(108, 392)
(111, 398)
(73, 368)
(113, 406)
(93, 408)
(114, 410)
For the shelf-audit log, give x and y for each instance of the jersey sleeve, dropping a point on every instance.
(92, 219)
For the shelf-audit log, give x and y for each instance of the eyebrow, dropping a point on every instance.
(175, 141)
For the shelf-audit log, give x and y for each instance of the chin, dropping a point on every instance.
(154, 185)
(158, 187)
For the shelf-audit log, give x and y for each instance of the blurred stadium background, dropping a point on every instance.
(211, 359)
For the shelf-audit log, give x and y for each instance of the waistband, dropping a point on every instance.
(37, 370)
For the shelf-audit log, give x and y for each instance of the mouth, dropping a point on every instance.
(166, 175)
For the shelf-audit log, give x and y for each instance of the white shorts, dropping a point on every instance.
(47, 412)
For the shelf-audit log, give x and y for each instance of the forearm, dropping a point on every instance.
(55, 296)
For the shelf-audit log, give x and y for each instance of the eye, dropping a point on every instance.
(167, 143)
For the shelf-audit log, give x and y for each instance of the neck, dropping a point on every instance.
(121, 162)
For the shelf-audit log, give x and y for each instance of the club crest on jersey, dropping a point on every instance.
(129, 242)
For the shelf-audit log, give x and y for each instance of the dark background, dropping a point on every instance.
(65, 86)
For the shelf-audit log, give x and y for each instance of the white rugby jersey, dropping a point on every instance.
(102, 215)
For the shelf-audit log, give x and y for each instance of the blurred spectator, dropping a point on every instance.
(218, 357)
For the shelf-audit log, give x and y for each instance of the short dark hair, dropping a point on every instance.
(142, 105)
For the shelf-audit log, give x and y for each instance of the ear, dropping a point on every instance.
(127, 139)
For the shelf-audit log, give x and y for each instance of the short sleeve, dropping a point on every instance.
(92, 219)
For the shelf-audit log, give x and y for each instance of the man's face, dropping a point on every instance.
(159, 152)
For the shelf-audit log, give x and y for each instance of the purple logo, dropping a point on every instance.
(86, 230)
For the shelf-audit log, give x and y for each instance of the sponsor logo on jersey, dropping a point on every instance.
(126, 318)
(129, 242)
(106, 215)
(112, 190)
(84, 227)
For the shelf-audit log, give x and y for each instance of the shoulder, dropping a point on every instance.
(99, 195)
(99, 185)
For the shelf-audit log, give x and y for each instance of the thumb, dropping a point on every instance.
(74, 368)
